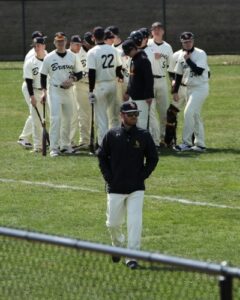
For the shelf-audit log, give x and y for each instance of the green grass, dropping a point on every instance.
(197, 232)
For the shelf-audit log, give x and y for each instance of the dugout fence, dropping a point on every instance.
(41, 266)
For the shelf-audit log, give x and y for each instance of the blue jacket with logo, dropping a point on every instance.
(126, 159)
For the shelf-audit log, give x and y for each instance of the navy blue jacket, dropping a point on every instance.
(126, 159)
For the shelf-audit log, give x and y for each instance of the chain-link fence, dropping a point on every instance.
(39, 266)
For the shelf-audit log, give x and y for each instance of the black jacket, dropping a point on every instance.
(140, 85)
(126, 159)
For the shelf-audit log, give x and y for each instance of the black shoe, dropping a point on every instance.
(132, 264)
(116, 259)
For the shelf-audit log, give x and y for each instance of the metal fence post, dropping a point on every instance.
(225, 284)
(23, 28)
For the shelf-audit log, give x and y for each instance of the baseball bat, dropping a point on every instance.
(148, 118)
(91, 146)
(45, 135)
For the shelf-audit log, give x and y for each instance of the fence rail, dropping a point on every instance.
(164, 273)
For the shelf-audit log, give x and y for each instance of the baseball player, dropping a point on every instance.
(32, 78)
(104, 66)
(162, 57)
(27, 129)
(192, 70)
(82, 92)
(75, 46)
(108, 37)
(63, 69)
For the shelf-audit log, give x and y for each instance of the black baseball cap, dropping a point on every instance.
(114, 29)
(128, 45)
(108, 34)
(145, 32)
(186, 36)
(156, 25)
(38, 33)
(38, 40)
(76, 39)
(98, 33)
(129, 106)
(88, 38)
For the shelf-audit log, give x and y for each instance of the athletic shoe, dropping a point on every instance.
(54, 153)
(116, 259)
(131, 264)
(69, 151)
(182, 147)
(198, 148)
(24, 143)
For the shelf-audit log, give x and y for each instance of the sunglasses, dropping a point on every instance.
(131, 114)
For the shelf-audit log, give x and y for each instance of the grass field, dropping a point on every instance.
(192, 204)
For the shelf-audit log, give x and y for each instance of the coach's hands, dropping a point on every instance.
(91, 98)
(33, 101)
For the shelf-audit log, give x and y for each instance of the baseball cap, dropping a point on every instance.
(114, 29)
(108, 34)
(98, 32)
(60, 36)
(156, 25)
(87, 37)
(38, 40)
(129, 106)
(128, 45)
(186, 36)
(37, 33)
(76, 39)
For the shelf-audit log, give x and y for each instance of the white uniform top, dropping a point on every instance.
(199, 57)
(125, 62)
(82, 54)
(31, 53)
(160, 66)
(59, 68)
(174, 60)
(150, 55)
(104, 59)
(31, 71)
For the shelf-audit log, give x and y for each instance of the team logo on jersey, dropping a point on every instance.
(137, 144)
(35, 71)
(56, 67)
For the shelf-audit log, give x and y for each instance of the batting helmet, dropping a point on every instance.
(128, 45)
(186, 36)
(137, 37)
(145, 32)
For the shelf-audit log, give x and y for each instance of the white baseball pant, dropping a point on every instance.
(162, 103)
(61, 109)
(119, 206)
(27, 129)
(192, 120)
(106, 98)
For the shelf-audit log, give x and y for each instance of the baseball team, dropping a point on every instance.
(126, 82)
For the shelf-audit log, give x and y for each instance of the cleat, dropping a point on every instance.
(132, 264)
(116, 259)
(198, 148)
(24, 143)
(182, 148)
(54, 153)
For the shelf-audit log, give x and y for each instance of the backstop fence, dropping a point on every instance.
(41, 266)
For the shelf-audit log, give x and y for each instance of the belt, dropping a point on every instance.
(182, 84)
(58, 86)
(39, 89)
(157, 76)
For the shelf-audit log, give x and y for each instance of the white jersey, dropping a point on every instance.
(104, 59)
(59, 68)
(31, 53)
(160, 66)
(150, 54)
(199, 57)
(125, 62)
(31, 71)
(174, 60)
(82, 54)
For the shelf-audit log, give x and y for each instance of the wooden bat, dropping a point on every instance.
(92, 148)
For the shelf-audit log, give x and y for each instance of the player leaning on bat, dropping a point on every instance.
(24, 138)
(62, 69)
(32, 78)
(192, 70)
